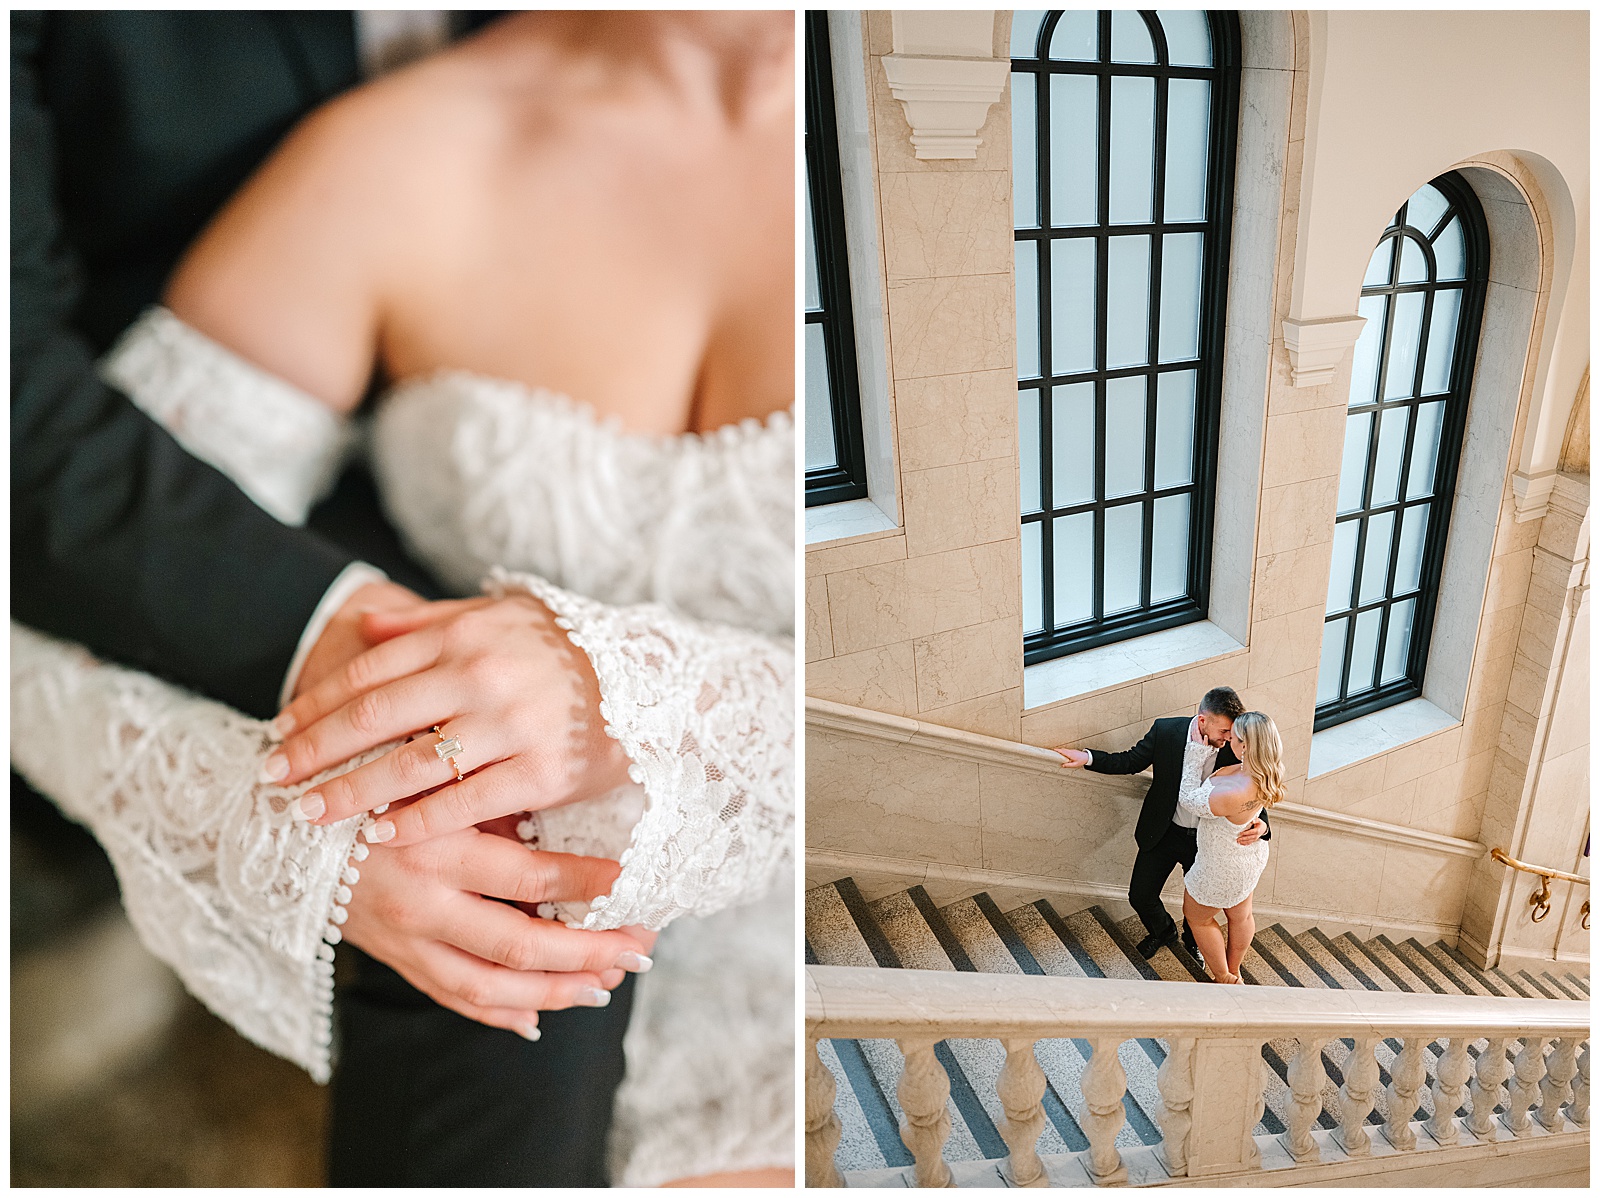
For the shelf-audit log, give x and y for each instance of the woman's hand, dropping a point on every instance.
(423, 911)
(498, 676)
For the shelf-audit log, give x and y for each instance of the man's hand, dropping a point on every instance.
(496, 674)
(1073, 759)
(423, 911)
(345, 636)
(1252, 831)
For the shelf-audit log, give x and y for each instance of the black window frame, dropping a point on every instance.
(1474, 286)
(848, 478)
(1224, 75)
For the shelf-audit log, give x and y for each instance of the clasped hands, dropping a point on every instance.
(503, 679)
(1077, 759)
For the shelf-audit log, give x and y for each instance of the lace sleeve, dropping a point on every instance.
(1193, 793)
(706, 714)
(242, 900)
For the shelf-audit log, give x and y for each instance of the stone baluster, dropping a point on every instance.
(822, 1125)
(1175, 1080)
(1557, 1086)
(1255, 1102)
(1579, 1111)
(924, 1092)
(1488, 1087)
(1104, 1084)
(1021, 1089)
(1357, 1097)
(1525, 1086)
(1450, 1091)
(1306, 1079)
(1406, 1078)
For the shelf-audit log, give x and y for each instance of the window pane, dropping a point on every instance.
(1413, 538)
(1125, 443)
(1364, 373)
(1175, 429)
(1441, 342)
(1188, 139)
(1375, 558)
(1074, 138)
(1364, 653)
(1400, 375)
(1024, 151)
(1450, 252)
(1032, 578)
(1188, 39)
(1072, 455)
(1353, 472)
(1025, 33)
(1074, 569)
(1076, 37)
(1391, 449)
(1130, 39)
(1424, 209)
(1378, 265)
(1027, 310)
(1180, 296)
(1425, 449)
(1028, 452)
(1133, 144)
(1333, 634)
(1413, 264)
(1072, 300)
(1169, 552)
(820, 451)
(1124, 556)
(1128, 302)
(1341, 577)
(1396, 642)
(813, 291)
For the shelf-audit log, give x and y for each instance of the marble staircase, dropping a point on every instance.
(907, 930)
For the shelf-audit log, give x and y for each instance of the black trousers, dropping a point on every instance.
(1151, 869)
(424, 1097)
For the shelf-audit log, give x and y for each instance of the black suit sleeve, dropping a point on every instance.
(1140, 757)
(119, 539)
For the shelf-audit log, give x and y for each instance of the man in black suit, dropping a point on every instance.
(1165, 833)
(128, 131)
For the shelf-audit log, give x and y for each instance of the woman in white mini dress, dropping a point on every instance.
(1225, 872)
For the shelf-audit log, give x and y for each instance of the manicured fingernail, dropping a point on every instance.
(593, 996)
(379, 832)
(634, 962)
(275, 768)
(282, 725)
(309, 805)
(528, 1032)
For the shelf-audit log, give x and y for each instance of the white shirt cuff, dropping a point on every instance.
(350, 580)
(1090, 756)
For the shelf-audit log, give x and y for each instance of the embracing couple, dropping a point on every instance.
(295, 359)
(1215, 775)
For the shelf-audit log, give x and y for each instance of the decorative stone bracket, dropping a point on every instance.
(1317, 346)
(946, 100)
(1531, 493)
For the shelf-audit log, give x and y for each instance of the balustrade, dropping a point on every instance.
(1358, 1096)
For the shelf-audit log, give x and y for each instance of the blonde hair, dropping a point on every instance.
(1263, 754)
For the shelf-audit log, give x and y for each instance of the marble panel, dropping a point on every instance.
(1489, 683)
(1517, 730)
(849, 555)
(1296, 749)
(1075, 723)
(1291, 701)
(1304, 445)
(1393, 806)
(1498, 631)
(1508, 579)
(1178, 691)
(1425, 756)
(966, 663)
(1562, 802)
(819, 636)
(1528, 683)
(1291, 581)
(956, 418)
(963, 586)
(918, 806)
(1297, 515)
(952, 325)
(1284, 645)
(892, 133)
(866, 607)
(1476, 770)
(953, 507)
(882, 679)
(1443, 803)
(1065, 825)
(1422, 886)
(1339, 789)
(992, 715)
(1325, 872)
(1378, 733)
(947, 223)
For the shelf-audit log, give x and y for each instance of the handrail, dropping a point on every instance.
(1539, 900)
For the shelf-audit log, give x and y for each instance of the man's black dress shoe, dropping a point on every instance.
(1188, 941)
(1153, 944)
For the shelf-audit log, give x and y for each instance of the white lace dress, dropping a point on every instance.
(668, 560)
(1225, 872)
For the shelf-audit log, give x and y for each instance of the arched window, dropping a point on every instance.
(1422, 298)
(1124, 126)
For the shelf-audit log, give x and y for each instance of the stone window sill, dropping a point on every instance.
(852, 518)
(1080, 674)
(1371, 735)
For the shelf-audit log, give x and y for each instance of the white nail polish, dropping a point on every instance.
(528, 1032)
(634, 962)
(379, 832)
(274, 769)
(308, 806)
(593, 996)
(282, 725)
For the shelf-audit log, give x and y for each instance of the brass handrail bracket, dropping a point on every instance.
(1539, 900)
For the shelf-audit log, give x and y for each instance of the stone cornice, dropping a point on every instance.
(1316, 347)
(946, 100)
